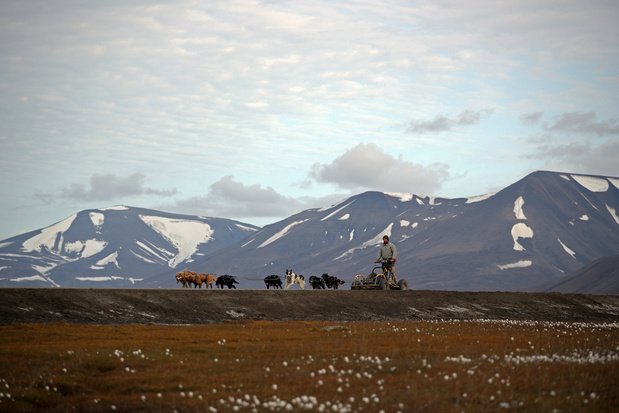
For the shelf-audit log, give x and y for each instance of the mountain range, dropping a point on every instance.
(113, 247)
(528, 236)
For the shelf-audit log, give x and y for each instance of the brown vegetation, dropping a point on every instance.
(421, 366)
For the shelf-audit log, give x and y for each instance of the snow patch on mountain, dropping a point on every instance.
(107, 278)
(329, 207)
(185, 235)
(567, 178)
(336, 211)
(479, 198)
(613, 213)
(592, 183)
(110, 259)
(99, 279)
(134, 280)
(50, 238)
(569, 251)
(518, 204)
(281, 233)
(48, 266)
(142, 258)
(584, 217)
(115, 208)
(344, 217)
(519, 264)
(404, 223)
(86, 248)
(97, 219)
(10, 254)
(587, 199)
(432, 201)
(35, 278)
(245, 227)
(614, 181)
(163, 255)
(30, 278)
(376, 240)
(520, 230)
(402, 196)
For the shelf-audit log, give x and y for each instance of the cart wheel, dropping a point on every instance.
(382, 285)
(403, 285)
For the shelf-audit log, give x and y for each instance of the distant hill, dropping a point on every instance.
(113, 247)
(599, 277)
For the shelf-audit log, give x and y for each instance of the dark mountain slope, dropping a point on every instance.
(533, 232)
(599, 277)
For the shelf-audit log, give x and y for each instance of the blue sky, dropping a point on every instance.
(256, 110)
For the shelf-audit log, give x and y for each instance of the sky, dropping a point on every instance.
(257, 110)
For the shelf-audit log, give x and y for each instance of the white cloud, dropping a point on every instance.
(443, 124)
(186, 91)
(231, 198)
(584, 123)
(586, 158)
(368, 166)
(105, 187)
(531, 118)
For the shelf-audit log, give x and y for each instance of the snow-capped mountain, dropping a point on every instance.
(113, 247)
(527, 237)
(534, 232)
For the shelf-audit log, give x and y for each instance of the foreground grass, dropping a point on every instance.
(472, 366)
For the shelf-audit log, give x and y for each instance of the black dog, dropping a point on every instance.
(273, 281)
(331, 281)
(317, 283)
(226, 280)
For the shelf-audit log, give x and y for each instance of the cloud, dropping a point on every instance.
(232, 199)
(584, 123)
(106, 187)
(602, 160)
(532, 118)
(565, 151)
(576, 142)
(578, 157)
(444, 124)
(367, 166)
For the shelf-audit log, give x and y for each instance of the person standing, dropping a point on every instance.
(387, 255)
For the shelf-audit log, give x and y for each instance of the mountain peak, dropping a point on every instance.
(534, 232)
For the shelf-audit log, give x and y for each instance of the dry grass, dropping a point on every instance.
(311, 366)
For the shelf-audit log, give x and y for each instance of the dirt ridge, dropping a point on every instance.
(178, 306)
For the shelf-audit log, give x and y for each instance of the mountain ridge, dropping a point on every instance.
(530, 234)
(446, 243)
(121, 245)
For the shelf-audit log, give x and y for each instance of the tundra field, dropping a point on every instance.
(323, 366)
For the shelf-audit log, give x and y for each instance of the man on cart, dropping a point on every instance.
(387, 255)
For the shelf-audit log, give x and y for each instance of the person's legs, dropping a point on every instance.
(395, 279)
(389, 271)
(386, 269)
